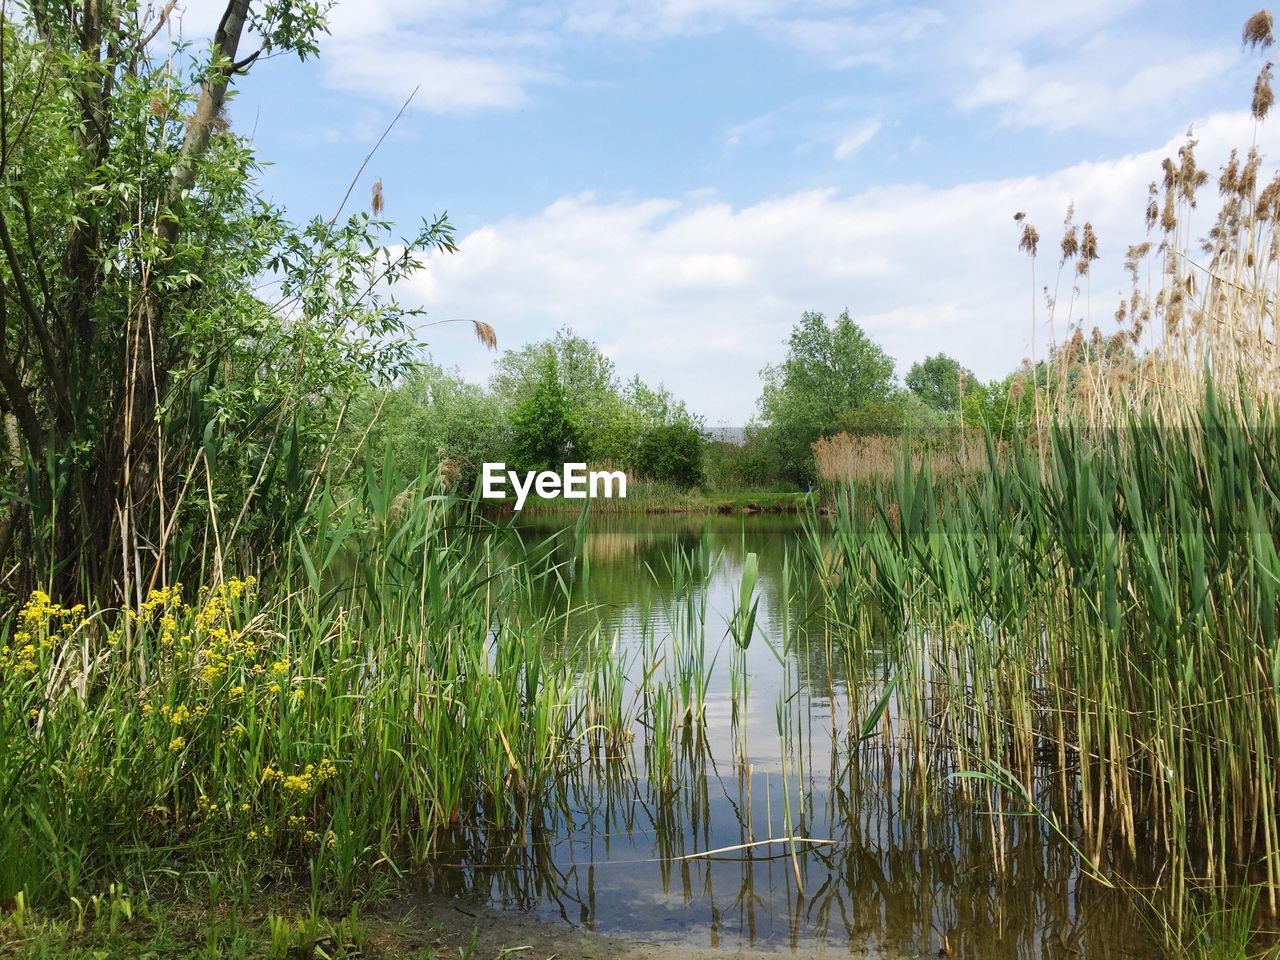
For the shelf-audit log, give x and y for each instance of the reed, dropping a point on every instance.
(1101, 627)
(1201, 292)
(850, 458)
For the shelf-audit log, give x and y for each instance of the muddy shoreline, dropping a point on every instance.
(446, 927)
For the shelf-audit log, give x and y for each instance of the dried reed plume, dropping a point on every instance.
(865, 459)
(1196, 304)
(1257, 31)
(1263, 96)
(376, 203)
(485, 334)
(1030, 240)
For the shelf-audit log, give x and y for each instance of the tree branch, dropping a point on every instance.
(161, 20)
(225, 44)
(37, 316)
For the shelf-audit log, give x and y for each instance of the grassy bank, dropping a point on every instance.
(648, 497)
(383, 688)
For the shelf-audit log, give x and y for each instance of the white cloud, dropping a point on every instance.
(701, 294)
(463, 55)
(648, 19)
(446, 83)
(883, 39)
(1094, 65)
(856, 139)
(1084, 95)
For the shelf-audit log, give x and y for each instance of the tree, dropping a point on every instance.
(829, 369)
(1005, 407)
(753, 463)
(602, 427)
(903, 412)
(939, 381)
(426, 417)
(157, 408)
(671, 443)
(543, 435)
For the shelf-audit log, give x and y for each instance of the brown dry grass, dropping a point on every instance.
(1199, 308)
(848, 458)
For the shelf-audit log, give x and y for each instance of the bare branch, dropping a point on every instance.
(61, 398)
(161, 20)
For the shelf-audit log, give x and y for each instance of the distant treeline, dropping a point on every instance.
(561, 400)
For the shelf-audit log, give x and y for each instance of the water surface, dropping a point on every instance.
(908, 870)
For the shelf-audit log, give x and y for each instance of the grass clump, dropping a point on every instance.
(348, 712)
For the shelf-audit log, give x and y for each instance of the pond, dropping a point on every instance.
(792, 816)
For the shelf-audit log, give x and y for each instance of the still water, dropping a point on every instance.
(825, 837)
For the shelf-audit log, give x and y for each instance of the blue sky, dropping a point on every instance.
(678, 179)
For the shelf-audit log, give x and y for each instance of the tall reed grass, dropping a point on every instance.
(852, 458)
(1098, 627)
(1202, 291)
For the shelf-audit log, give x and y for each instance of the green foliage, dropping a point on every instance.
(939, 381)
(751, 465)
(175, 353)
(829, 370)
(544, 431)
(598, 427)
(429, 414)
(672, 453)
(1005, 407)
(903, 412)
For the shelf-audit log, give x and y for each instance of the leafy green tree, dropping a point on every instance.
(159, 405)
(903, 412)
(671, 444)
(939, 381)
(428, 416)
(751, 464)
(543, 433)
(1005, 407)
(829, 369)
(602, 427)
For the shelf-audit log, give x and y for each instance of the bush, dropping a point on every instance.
(673, 453)
(750, 465)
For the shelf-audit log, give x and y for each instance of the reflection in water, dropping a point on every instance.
(667, 834)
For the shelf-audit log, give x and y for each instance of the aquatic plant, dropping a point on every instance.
(1103, 627)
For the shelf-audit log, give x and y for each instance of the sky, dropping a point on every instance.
(678, 180)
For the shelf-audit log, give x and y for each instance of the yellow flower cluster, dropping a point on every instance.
(41, 623)
(224, 643)
(182, 713)
(305, 780)
(212, 641)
